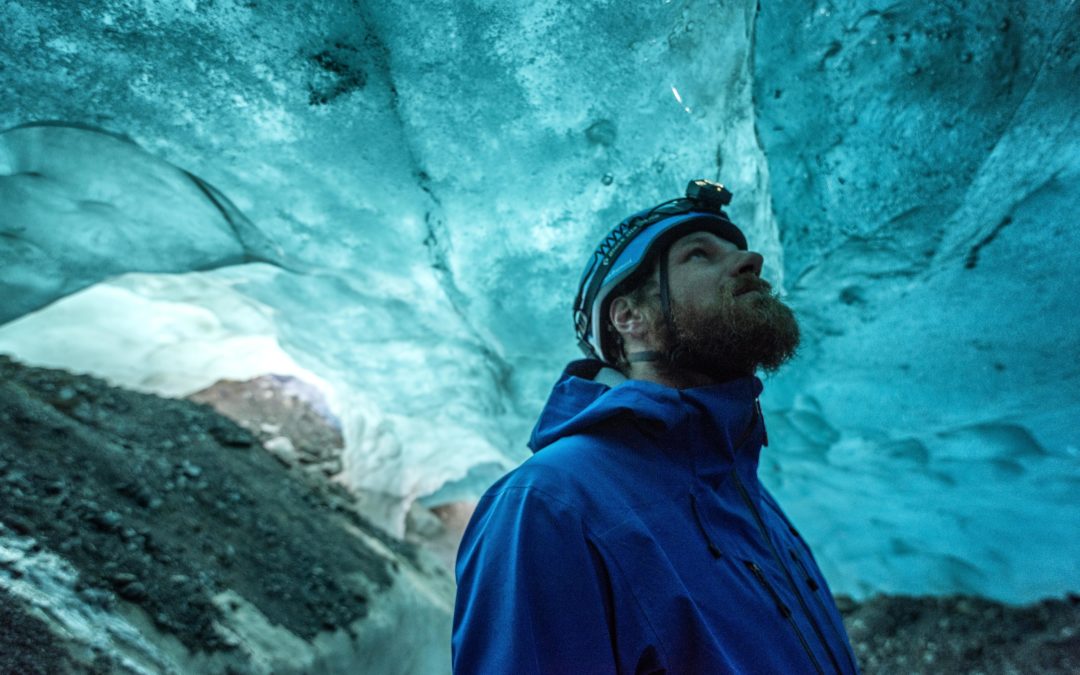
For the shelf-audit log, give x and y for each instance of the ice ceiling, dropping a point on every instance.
(394, 200)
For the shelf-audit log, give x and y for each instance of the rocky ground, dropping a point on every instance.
(171, 516)
(958, 634)
(290, 418)
(128, 520)
(292, 421)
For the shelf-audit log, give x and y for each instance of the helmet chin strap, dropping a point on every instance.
(665, 307)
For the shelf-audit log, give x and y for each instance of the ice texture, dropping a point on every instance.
(395, 201)
(926, 172)
(82, 205)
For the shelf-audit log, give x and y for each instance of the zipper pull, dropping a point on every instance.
(806, 573)
(784, 610)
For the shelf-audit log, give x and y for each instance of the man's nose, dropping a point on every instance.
(748, 261)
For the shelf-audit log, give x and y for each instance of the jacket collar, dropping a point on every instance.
(726, 418)
(702, 424)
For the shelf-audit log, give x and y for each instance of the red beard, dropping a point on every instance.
(743, 332)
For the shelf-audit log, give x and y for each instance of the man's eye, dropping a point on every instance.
(697, 253)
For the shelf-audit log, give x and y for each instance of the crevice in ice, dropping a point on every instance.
(437, 238)
(437, 243)
(1054, 47)
(257, 246)
(1057, 49)
(972, 259)
(65, 124)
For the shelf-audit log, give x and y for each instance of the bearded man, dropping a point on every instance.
(638, 539)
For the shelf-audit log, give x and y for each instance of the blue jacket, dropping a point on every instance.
(641, 541)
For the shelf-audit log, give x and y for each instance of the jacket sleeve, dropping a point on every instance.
(533, 593)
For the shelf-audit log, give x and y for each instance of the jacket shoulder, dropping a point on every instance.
(563, 470)
(596, 479)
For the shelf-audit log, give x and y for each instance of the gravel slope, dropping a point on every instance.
(160, 507)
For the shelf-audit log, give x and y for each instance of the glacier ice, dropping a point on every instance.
(81, 205)
(412, 188)
(925, 161)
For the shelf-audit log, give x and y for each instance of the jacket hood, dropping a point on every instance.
(653, 538)
(644, 513)
(579, 402)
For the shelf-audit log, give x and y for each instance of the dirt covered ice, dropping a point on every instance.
(174, 520)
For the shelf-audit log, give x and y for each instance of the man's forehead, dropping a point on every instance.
(701, 237)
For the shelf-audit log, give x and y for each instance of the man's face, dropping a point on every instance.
(726, 317)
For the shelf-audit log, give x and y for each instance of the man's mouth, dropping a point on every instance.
(754, 287)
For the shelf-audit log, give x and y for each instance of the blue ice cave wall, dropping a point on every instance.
(395, 200)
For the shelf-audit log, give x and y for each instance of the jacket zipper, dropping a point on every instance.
(776, 554)
(815, 587)
(785, 611)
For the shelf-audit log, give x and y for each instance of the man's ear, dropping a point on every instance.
(626, 318)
